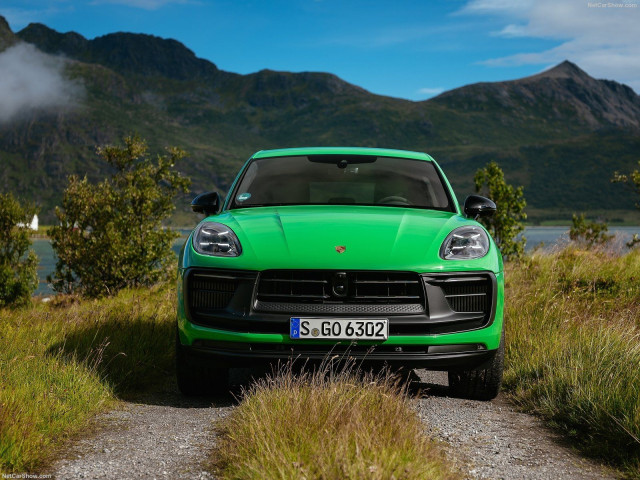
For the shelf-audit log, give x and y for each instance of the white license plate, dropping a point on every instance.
(339, 328)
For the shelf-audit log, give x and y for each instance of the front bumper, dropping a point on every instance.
(238, 335)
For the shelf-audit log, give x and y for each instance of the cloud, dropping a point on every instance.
(32, 81)
(492, 6)
(602, 38)
(430, 91)
(144, 4)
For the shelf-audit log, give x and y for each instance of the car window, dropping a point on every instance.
(341, 180)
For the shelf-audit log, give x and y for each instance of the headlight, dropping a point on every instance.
(216, 239)
(465, 243)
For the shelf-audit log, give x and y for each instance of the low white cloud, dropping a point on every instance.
(429, 91)
(144, 4)
(492, 6)
(603, 38)
(34, 81)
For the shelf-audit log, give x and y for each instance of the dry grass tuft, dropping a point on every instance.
(327, 425)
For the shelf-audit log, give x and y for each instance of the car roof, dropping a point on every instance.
(378, 152)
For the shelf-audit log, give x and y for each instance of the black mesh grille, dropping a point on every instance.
(468, 294)
(207, 292)
(331, 287)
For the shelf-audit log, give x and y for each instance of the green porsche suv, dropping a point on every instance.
(360, 252)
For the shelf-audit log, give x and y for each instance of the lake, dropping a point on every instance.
(550, 236)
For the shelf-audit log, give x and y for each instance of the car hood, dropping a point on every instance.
(312, 236)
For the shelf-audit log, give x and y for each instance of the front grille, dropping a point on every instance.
(328, 292)
(208, 291)
(211, 294)
(330, 287)
(252, 302)
(467, 294)
(340, 308)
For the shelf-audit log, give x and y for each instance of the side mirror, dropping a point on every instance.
(208, 203)
(476, 206)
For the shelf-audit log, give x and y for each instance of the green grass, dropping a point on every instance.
(573, 357)
(327, 426)
(61, 364)
(573, 348)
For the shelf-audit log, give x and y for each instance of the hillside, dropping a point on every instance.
(560, 133)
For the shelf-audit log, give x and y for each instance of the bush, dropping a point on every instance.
(110, 234)
(333, 423)
(632, 180)
(18, 264)
(506, 223)
(588, 233)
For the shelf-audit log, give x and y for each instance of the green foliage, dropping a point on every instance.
(18, 264)
(632, 180)
(506, 223)
(634, 241)
(588, 233)
(110, 235)
(573, 350)
(64, 361)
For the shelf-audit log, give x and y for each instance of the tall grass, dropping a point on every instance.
(327, 425)
(573, 356)
(62, 363)
(573, 347)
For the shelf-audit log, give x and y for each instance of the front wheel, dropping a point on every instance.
(480, 383)
(196, 376)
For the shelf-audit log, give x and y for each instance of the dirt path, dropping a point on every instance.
(493, 440)
(169, 436)
(164, 436)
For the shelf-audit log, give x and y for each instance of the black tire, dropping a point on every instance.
(481, 383)
(196, 376)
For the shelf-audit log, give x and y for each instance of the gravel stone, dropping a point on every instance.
(494, 440)
(168, 436)
(162, 437)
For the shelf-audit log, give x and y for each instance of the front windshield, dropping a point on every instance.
(341, 180)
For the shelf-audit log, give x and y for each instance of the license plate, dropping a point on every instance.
(339, 328)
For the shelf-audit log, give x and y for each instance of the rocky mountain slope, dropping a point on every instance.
(560, 133)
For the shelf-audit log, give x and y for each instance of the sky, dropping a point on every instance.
(413, 49)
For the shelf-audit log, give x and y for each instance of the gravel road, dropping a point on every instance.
(169, 436)
(165, 436)
(493, 440)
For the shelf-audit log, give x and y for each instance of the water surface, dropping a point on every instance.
(549, 236)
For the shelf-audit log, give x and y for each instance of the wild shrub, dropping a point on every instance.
(588, 233)
(506, 224)
(18, 264)
(632, 180)
(110, 235)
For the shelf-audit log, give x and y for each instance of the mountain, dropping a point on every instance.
(560, 133)
(585, 100)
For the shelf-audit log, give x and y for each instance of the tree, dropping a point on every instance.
(110, 235)
(505, 225)
(588, 233)
(18, 263)
(632, 180)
